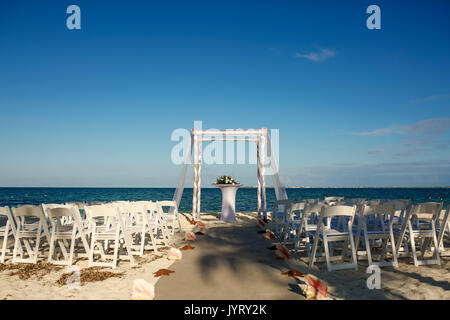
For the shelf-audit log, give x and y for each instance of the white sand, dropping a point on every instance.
(406, 282)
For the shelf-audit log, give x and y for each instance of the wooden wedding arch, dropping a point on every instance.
(263, 148)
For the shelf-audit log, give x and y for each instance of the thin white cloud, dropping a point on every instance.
(428, 126)
(418, 142)
(322, 55)
(408, 153)
(430, 98)
(376, 132)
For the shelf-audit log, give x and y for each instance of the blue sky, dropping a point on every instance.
(97, 106)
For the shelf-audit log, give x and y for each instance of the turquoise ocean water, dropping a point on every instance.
(211, 197)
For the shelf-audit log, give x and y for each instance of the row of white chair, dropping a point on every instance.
(334, 222)
(126, 228)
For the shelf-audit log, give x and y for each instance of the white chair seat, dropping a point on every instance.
(335, 233)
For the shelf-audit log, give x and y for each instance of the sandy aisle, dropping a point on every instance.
(228, 263)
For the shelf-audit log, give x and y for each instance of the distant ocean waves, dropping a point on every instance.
(211, 197)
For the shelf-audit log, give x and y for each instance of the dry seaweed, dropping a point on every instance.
(92, 274)
(25, 270)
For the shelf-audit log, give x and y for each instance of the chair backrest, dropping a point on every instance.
(105, 210)
(329, 212)
(148, 205)
(399, 204)
(338, 210)
(427, 210)
(384, 209)
(311, 201)
(282, 205)
(5, 211)
(373, 202)
(297, 206)
(313, 208)
(172, 205)
(58, 212)
(47, 206)
(28, 211)
(167, 203)
(352, 201)
(132, 208)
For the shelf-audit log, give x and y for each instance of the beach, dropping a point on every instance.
(231, 261)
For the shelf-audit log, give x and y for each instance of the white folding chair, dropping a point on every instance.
(279, 213)
(420, 224)
(138, 227)
(172, 214)
(156, 221)
(444, 230)
(107, 225)
(326, 235)
(9, 229)
(293, 221)
(375, 223)
(30, 232)
(308, 223)
(61, 233)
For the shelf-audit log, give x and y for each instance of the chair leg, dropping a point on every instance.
(179, 223)
(52, 246)
(436, 248)
(36, 250)
(327, 253)
(413, 248)
(314, 250)
(394, 252)
(344, 250)
(16, 244)
(116, 251)
(353, 247)
(5, 240)
(91, 250)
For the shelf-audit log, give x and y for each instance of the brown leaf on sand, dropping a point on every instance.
(163, 272)
(293, 273)
(187, 247)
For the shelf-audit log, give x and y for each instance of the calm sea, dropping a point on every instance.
(211, 197)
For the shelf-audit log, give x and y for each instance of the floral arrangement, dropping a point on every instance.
(226, 180)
